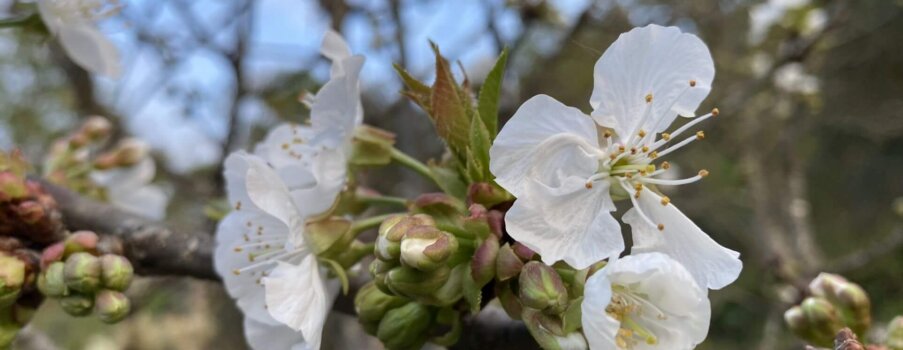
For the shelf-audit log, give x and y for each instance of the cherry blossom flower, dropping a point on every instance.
(73, 23)
(130, 188)
(567, 168)
(644, 301)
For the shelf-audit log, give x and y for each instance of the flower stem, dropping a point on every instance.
(379, 200)
(365, 224)
(413, 164)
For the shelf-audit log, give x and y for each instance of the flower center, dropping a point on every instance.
(263, 248)
(628, 308)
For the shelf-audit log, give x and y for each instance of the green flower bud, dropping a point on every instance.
(855, 307)
(111, 306)
(12, 277)
(380, 270)
(489, 195)
(451, 291)
(895, 333)
(116, 272)
(541, 288)
(796, 320)
(371, 304)
(405, 327)
(482, 266)
(388, 243)
(823, 320)
(413, 283)
(426, 248)
(508, 264)
(130, 151)
(77, 304)
(82, 272)
(81, 241)
(96, 127)
(52, 282)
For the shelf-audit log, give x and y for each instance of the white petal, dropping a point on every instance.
(297, 296)
(337, 110)
(235, 171)
(570, 223)
(599, 328)
(264, 336)
(244, 287)
(334, 47)
(288, 145)
(149, 201)
(49, 15)
(90, 49)
(650, 60)
(712, 265)
(669, 288)
(524, 141)
(329, 169)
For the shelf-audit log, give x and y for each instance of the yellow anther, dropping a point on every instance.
(612, 157)
(666, 165)
(637, 195)
(645, 149)
(238, 205)
(692, 82)
(648, 98)
(238, 249)
(621, 148)
(285, 146)
(653, 155)
(236, 272)
(632, 150)
(703, 173)
(606, 134)
(700, 135)
(589, 185)
(665, 200)
(661, 227)
(666, 136)
(715, 112)
(642, 133)
(638, 187)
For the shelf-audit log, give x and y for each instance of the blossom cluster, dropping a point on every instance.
(526, 212)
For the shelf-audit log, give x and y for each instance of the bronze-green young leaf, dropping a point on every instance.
(490, 93)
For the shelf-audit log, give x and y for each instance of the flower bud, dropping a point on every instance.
(81, 241)
(487, 194)
(111, 306)
(116, 272)
(130, 151)
(441, 206)
(895, 333)
(371, 304)
(96, 127)
(482, 266)
(12, 186)
(379, 270)
(82, 272)
(414, 283)
(77, 304)
(388, 243)
(825, 285)
(12, 277)
(405, 327)
(426, 248)
(508, 264)
(796, 320)
(855, 307)
(29, 212)
(52, 253)
(541, 288)
(52, 283)
(524, 253)
(823, 320)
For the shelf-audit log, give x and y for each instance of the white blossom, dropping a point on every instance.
(130, 188)
(73, 23)
(566, 168)
(644, 301)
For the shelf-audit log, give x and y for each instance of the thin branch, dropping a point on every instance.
(890, 244)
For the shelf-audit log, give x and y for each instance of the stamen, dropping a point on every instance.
(678, 146)
(636, 205)
(666, 165)
(693, 83)
(684, 128)
(661, 227)
(688, 180)
(665, 200)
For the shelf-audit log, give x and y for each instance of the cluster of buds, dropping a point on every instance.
(73, 159)
(84, 281)
(19, 298)
(431, 265)
(26, 210)
(834, 303)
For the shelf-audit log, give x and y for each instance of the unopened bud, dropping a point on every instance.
(508, 264)
(414, 283)
(12, 186)
(81, 241)
(388, 243)
(379, 270)
(52, 283)
(29, 212)
(371, 304)
(116, 272)
(12, 277)
(541, 288)
(487, 194)
(96, 127)
(405, 327)
(524, 253)
(823, 319)
(895, 333)
(130, 151)
(77, 304)
(52, 253)
(482, 266)
(426, 248)
(82, 272)
(825, 285)
(796, 320)
(855, 307)
(111, 306)
(439, 205)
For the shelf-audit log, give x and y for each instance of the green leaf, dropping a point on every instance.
(490, 93)
(336, 268)
(449, 181)
(571, 319)
(414, 89)
(450, 108)
(478, 151)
